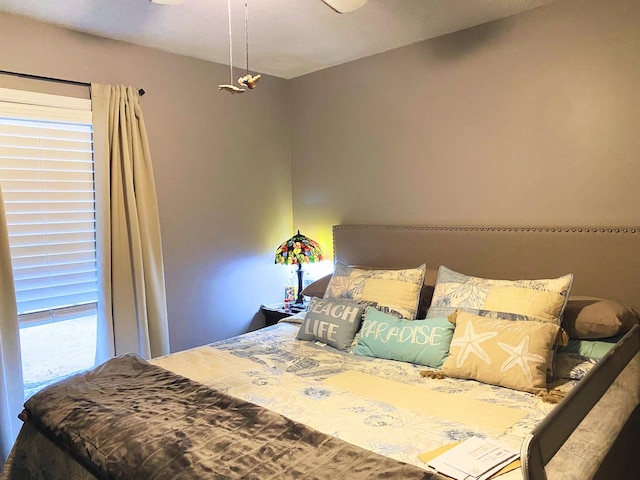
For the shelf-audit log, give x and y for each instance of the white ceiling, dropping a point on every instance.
(287, 38)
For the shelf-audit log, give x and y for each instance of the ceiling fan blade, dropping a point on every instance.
(340, 6)
(345, 6)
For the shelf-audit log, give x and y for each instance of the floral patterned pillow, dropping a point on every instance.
(396, 292)
(542, 300)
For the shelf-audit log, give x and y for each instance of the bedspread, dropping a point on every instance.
(383, 405)
(380, 405)
(130, 419)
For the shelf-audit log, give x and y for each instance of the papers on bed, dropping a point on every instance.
(474, 459)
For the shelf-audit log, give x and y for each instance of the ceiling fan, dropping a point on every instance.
(345, 6)
(340, 6)
(249, 81)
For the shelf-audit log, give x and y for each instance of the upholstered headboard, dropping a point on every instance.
(605, 261)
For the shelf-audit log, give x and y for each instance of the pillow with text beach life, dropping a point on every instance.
(423, 342)
(332, 321)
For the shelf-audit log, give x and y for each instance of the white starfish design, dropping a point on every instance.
(521, 356)
(470, 343)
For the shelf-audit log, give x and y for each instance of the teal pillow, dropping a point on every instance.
(334, 322)
(425, 342)
(594, 349)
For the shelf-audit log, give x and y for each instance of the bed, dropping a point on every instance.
(281, 403)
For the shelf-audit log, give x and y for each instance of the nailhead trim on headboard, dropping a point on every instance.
(604, 259)
(541, 229)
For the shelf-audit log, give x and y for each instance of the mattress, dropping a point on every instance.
(380, 405)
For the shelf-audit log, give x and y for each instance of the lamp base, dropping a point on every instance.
(300, 299)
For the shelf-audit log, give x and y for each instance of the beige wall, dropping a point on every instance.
(221, 164)
(534, 119)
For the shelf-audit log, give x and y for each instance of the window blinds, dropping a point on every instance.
(46, 173)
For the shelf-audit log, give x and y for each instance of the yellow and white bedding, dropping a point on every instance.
(381, 405)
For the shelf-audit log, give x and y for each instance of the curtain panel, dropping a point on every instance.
(11, 393)
(132, 311)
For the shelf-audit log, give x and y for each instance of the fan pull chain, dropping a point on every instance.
(246, 33)
(230, 42)
(248, 80)
(231, 88)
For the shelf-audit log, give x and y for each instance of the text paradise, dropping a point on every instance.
(414, 334)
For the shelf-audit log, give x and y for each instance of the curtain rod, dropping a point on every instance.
(141, 91)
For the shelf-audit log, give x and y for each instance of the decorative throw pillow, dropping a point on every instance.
(395, 291)
(592, 349)
(319, 287)
(334, 322)
(591, 317)
(425, 342)
(541, 300)
(508, 353)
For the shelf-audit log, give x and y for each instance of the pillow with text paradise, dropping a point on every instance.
(423, 342)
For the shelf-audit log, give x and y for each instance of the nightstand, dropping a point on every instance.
(275, 312)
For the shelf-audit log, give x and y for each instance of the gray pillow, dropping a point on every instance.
(592, 318)
(317, 288)
(332, 321)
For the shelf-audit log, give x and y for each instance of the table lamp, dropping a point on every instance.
(297, 250)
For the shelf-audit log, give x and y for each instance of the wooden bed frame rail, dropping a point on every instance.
(551, 434)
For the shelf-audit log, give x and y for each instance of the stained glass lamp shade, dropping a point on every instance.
(298, 250)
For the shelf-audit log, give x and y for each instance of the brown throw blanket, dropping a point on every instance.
(128, 419)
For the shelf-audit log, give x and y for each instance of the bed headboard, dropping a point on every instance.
(605, 261)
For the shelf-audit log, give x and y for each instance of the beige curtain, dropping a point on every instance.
(11, 388)
(132, 311)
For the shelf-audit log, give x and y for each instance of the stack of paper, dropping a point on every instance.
(474, 459)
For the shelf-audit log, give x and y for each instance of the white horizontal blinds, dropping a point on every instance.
(46, 171)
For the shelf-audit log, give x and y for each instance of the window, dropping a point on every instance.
(47, 178)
